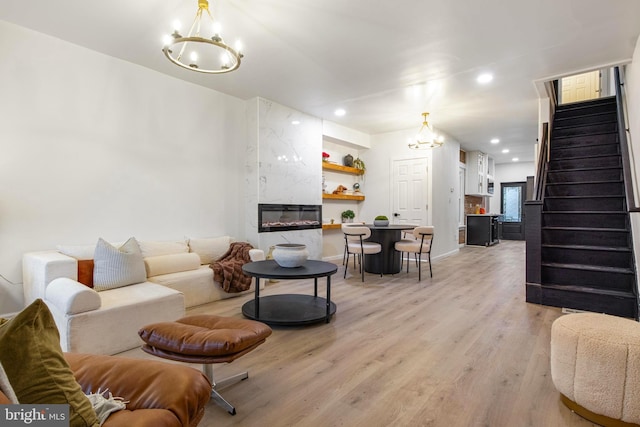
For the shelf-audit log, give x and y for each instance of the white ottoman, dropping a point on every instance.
(595, 365)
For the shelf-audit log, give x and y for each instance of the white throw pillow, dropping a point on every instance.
(211, 249)
(174, 263)
(157, 247)
(114, 268)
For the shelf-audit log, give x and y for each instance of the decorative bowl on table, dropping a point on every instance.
(290, 255)
(381, 221)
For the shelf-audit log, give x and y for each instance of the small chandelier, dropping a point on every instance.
(426, 138)
(196, 53)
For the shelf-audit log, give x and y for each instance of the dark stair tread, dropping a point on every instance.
(557, 125)
(589, 247)
(603, 100)
(586, 141)
(586, 135)
(593, 114)
(586, 212)
(585, 105)
(593, 168)
(588, 156)
(581, 147)
(603, 196)
(617, 230)
(588, 267)
(612, 181)
(590, 290)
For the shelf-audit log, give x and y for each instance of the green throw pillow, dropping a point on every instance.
(31, 355)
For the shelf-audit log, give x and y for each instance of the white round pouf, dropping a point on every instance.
(290, 255)
(595, 365)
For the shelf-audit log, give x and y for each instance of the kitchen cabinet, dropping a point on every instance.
(483, 230)
(480, 174)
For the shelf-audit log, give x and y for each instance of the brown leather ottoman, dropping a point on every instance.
(206, 339)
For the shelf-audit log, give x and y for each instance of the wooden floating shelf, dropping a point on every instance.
(342, 196)
(339, 168)
(331, 226)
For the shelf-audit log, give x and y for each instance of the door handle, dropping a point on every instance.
(396, 214)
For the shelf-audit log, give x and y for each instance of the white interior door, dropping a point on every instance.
(410, 189)
(580, 87)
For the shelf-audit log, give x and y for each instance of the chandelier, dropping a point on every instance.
(426, 137)
(205, 55)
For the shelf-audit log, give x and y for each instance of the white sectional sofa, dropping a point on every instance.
(178, 276)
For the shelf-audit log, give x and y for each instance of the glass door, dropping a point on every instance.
(512, 199)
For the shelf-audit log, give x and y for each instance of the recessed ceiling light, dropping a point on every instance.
(515, 159)
(340, 112)
(505, 151)
(495, 140)
(485, 78)
(295, 122)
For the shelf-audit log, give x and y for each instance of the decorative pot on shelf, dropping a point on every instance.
(348, 160)
(290, 255)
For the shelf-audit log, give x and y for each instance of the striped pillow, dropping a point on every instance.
(114, 268)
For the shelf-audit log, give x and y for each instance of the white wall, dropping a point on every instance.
(444, 186)
(632, 88)
(509, 172)
(334, 132)
(93, 146)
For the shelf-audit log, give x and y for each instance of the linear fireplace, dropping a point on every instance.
(273, 217)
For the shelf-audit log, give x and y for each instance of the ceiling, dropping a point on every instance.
(383, 62)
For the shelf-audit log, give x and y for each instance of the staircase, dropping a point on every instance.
(586, 254)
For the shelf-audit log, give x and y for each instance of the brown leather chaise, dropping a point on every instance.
(160, 394)
(206, 339)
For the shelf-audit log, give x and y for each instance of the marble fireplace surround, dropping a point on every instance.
(283, 166)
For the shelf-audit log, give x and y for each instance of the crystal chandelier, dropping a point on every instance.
(205, 55)
(426, 138)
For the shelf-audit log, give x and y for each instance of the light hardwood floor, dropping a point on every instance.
(460, 349)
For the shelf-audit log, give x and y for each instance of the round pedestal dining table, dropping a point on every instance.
(387, 235)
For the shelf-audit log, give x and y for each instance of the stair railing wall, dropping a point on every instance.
(533, 224)
(630, 177)
(533, 210)
(544, 143)
(543, 162)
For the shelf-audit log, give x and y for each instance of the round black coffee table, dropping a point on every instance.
(290, 309)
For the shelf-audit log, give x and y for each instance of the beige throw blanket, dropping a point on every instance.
(227, 270)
